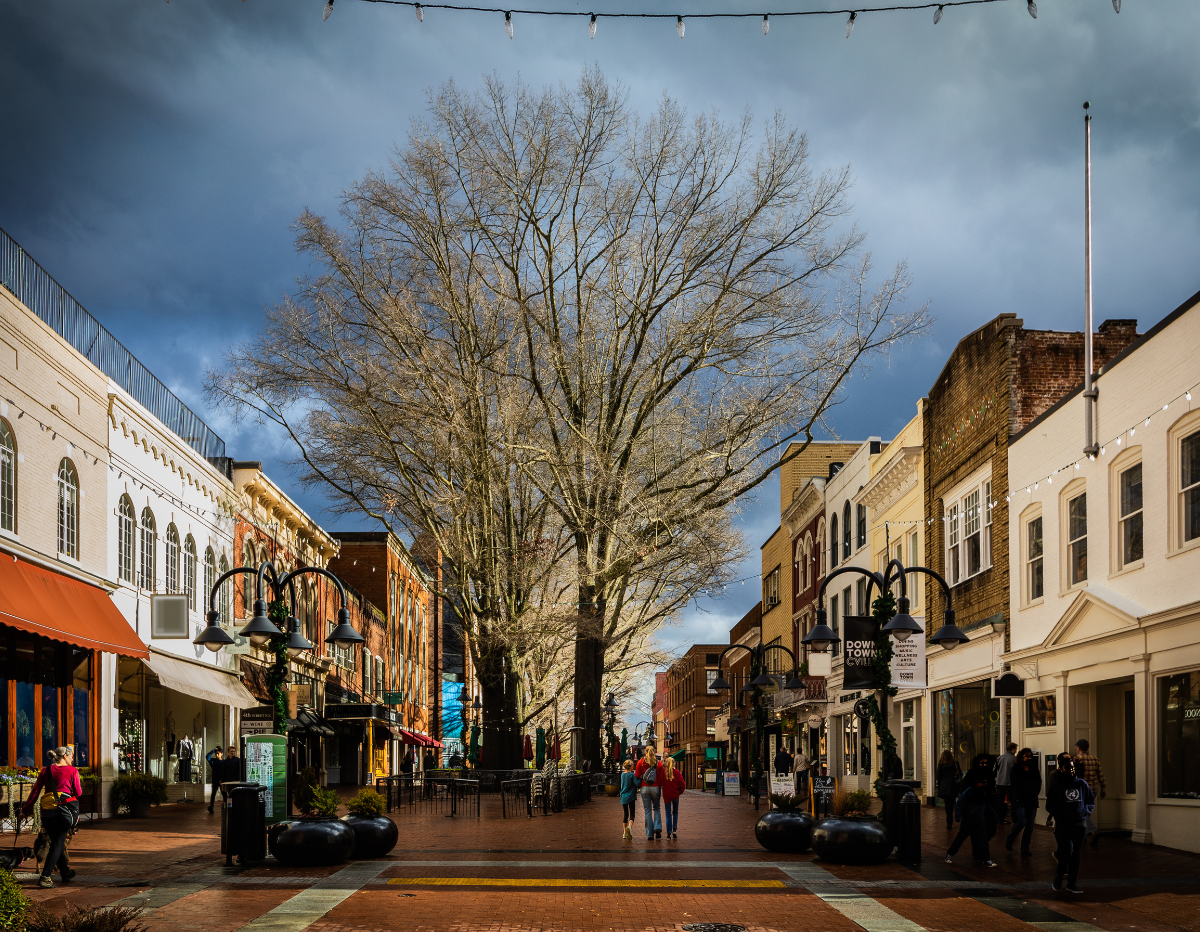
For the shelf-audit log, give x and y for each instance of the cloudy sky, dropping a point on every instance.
(154, 154)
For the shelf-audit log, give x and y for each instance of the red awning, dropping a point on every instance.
(407, 737)
(63, 609)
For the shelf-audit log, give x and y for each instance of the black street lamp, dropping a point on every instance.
(758, 655)
(901, 626)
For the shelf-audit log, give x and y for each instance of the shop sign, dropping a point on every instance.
(240, 645)
(393, 698)
(260, 721)
(908, 663)
(822, 792)
(733, 786)
(266, 765)
(860, 651)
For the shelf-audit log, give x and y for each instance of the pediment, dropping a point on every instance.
(1095, 613)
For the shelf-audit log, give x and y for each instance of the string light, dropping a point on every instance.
(1117, 5)
(508, 26)
(937, 14)
(592, 26)
(850, 24)
(1032, 9)
(679, 27)
(766, 23)
(328, 9)
(420, 11)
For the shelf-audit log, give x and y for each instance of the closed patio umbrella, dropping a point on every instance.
(527, 753)
(540, 758)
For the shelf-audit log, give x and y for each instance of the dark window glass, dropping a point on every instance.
(1190, 455)
(1131, 515)
(1041, 711)
(1179, 736)
(1036, 580)
(833, 541)
(1077, 538)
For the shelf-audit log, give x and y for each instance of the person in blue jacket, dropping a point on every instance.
(1070, 801)
(629, 793)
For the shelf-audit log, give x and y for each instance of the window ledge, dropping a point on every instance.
(1071, 590)
(1034, 604)
(1127, 569)
(70, 561)
(9, 535)
(1189, 546)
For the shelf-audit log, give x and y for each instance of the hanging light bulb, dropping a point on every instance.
(1147, 424)
(1132, 431)
(420, 13)
(850, 24)
(1032, 9)
(1117, 5)
(508, 24)
(766, 23)
(327, 11)
(937, 15)
(679, 28)
(1187, 395)
(1165, 407)
(592, 27)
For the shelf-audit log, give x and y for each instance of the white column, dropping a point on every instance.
(1144, 741)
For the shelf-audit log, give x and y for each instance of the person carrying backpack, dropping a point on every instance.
(1070, 801)
(60, 811)
(651, 776)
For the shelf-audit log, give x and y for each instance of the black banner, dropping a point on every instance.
(858, 643)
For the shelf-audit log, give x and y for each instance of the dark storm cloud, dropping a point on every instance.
(153, 156)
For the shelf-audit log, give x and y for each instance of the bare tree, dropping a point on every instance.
(672, 283)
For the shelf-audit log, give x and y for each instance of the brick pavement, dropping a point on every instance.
(715, 872)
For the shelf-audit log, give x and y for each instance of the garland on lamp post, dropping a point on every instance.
(883, 609)
(277, 673)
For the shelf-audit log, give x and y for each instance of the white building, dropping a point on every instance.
(1105, 601)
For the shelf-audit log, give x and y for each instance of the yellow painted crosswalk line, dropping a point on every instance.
(560, 882)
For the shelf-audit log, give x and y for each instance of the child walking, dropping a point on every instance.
(629, 791)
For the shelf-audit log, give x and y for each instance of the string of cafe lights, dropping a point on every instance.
(681, 18)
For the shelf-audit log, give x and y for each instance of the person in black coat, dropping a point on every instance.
(1026, 787)
(1069, 801)
(948, 782)
(976, 815)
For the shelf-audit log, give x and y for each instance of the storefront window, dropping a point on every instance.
(49, 718)
(82, 712)
(4, 718)
(1041, 711)
(1179, 736)
(129, 709)
(908, 730)
(967, 720)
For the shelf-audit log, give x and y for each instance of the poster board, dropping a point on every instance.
(266, 765)
(822, 794)
(859, 651)
(733, 786)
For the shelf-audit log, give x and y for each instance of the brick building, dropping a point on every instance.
(692, 707)
(997, 380)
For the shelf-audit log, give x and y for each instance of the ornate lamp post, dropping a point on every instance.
(900, 626)
(611, 708)
(762, 678)
(263, 632)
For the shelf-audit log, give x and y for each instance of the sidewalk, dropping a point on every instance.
(572, 870)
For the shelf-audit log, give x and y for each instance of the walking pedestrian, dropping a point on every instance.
(673, 786)
(428, 760)
(629, 792)
(1088, 767)
(949, 780)
(1070, 802)
(1026, 788)
(650, 776)
(216, 768)
(783, 760)
(976, 816)
(1004, 769)
(406, 765)
(232, 771)
(60, 789)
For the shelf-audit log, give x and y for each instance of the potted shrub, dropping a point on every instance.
(787, 827)
(318, 837)
(138, 792)
(850, 835)
(374, 833)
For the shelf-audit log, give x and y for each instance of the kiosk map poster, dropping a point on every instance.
(266, 765)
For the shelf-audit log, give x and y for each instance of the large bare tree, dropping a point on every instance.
(563, 339)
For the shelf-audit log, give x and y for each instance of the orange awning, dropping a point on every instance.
(63, 609)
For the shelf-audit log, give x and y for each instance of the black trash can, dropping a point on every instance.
(893, 792)
(244, 822)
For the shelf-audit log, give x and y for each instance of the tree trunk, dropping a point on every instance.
(589, 679)
(501, 749)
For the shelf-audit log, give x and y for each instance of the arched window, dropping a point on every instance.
(210, 576)
(126, 541)
(225, 590)
(847, 532)
(833, 541)
(149, 542)
(172, 566)
(861, 517)
(189, 571)
(247, 581)
(820, 543)
(68, 510)
(8, 478)
(808, 561)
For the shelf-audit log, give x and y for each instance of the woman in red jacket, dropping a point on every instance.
(673, 786)
(651, 776)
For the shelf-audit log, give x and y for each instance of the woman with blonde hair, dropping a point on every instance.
(59, 787)
(673, 786)
(651, 776)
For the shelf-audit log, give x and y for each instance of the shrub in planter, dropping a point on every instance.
(850, 836)
(374, 833)
(138, 792)
(13, 904)
(318, 837)
(787, 827)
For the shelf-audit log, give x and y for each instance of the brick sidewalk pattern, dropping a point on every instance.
(572, 870)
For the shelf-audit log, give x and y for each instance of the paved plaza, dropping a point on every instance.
(572, 870)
